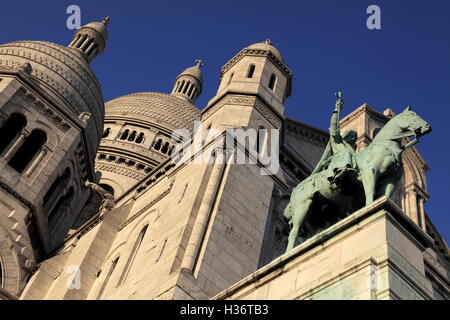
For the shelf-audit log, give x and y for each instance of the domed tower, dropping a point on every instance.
(139, 130)
(51, 122)
(90, 40)
(257, 70)
(188, 84)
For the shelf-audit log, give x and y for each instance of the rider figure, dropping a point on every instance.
(340, 156)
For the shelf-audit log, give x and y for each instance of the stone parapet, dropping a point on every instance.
(375, 253)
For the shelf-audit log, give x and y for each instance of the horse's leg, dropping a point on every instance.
(388, 188)
(299, 212)
(369, 179)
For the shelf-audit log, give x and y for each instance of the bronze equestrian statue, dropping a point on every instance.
(377, 168)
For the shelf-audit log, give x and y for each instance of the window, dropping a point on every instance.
(194, 92)
(133, 255)
(186, 87)
(132, 136)
(231, 78)
(10, 129)
(375, 132)
(140, 138)
(251, 71)
(165, 148)
(30, 148)
(106, 133)
(181, 86)
(108, 276)
(125, 134)
(190, 91)
(59, 181)
(63, 201)
(272, 82)
(107, 188)
(157, 144)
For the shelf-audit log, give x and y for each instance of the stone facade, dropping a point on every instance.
(199, 225)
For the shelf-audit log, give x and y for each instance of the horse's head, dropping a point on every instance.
(409, 121)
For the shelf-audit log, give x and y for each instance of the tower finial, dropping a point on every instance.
(106, 21)
(91, 39)
(198, 63)
(268, 41)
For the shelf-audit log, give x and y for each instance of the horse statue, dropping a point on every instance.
(341, 169)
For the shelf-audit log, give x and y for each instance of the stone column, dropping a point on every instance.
(414, 212)
(422, 213)
(36, 162)
(85, 43)
(91, 46)
(16, 144)
(80, 40)
(202, 220)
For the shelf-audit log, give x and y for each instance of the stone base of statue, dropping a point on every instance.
(375, 253)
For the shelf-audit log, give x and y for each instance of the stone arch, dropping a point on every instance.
(11, 272)
(117, 187)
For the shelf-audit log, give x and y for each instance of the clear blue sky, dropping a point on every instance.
(325, 43)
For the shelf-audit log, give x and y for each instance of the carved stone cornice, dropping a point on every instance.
(308, 132)
(245, 100)
(123, 170)
(45, 110)
(364, 109)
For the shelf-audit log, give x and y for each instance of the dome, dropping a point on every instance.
(65, 76)
(161, 109)
(266, 46)
(193, 71)
(99, 27)
(138, 136)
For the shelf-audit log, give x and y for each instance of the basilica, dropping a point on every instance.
(93, 204)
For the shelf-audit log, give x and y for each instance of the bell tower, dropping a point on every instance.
(188, 85)
(51, 116)
(257, 70)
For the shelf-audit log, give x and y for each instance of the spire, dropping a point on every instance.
(91, 39)
(188, 85)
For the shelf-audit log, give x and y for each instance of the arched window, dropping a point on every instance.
(206, 134)
(140, 138)
(108, 276)
(251, 71)
(125, 134)
(10, 129)
(186, 87)
(261, 139)
(181, 86)
(106, 133)
(107, 188)
(59, 181)
(64, 200)
(28, 150)
(133, 255)
(157, 145)
(194, 92)
(375, 132)
(231, 78)
(171, 150)
(165, 148)
(190, 91)
(132, 136)
(272, 82)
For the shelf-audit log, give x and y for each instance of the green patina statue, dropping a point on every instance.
(376, 169)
